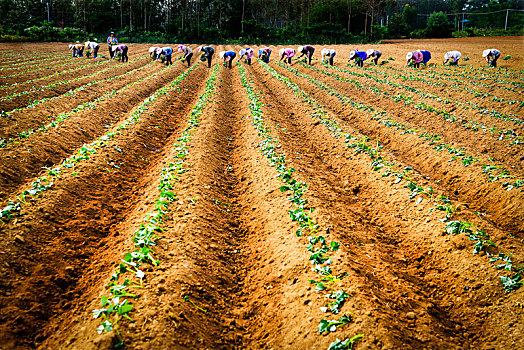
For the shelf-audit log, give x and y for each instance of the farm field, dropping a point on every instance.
(263, 207)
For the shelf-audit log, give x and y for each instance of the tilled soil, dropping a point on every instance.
(232, 272)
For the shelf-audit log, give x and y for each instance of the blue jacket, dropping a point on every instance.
(426, 56)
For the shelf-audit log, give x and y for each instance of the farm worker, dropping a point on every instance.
(426, 56)
(112, 40)
(492, 55)
(452, 55)
(208, 52)
(153, 52)
(288, 53)
(359, 57)
(330, 53)
(77, 49)
(167, 52)
(264, 54)
(93, 47)
(188, 53)
(306, 50)
(415, 57)
(248, 53)
(375, 54)
(227, 56)
(122, 49)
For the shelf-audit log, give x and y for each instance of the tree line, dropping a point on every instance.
(256, 21)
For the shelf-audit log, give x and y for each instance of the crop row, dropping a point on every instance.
(456, 84)
(57, 120)
(29, 81)
(50, 66)
(317, 243)
(43, 183)
(128, 275)
(21, 58)
(26, 62)
(53, 85)
(447, 116)
(493, 171)
(364, 145)
(485, 75)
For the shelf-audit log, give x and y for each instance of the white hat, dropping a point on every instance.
(370, 52)
(447, 55)
(300, 48)
(352, 54)
(242, 52)
(485, 52)
(199, 48)
(221, 54)
(324, 51)
(409, 56)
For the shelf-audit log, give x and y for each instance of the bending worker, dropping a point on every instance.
(93, 47)
(454, 56)
(188, 53)
(122, 50)
(492, 55)
(359, 57)
(228, 56)
(153, 52)
(167, 52)
(248, 53)
(288, 53)
(112, 41)
(306, 50)
(418, 57)
(328, 54)
(78, 49)
(209, 52)
(264, 54)
(375, 54)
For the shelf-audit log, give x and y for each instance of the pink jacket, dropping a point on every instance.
(289, 53)
(417, 56)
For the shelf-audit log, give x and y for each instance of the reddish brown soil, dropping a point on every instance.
(228, 243)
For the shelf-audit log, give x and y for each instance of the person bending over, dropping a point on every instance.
(454, 56)
(287, 54)
(264, 54)
(248, 53)
(92, 47)
(375, 54)
(328, 54)
(188, 53)
(359, 57)
(491, 55)
(208, 52)
(228, 56)
(306, 50)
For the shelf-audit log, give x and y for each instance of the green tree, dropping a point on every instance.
(397, 26)
(439, 26)
(410, 16)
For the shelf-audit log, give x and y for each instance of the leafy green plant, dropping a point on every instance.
(331, 325)
(346, 344)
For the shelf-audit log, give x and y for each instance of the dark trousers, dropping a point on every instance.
(188, 59)
(95, 51)
(309, 59)
(416, 65)
(331, 60)
(168, 60)
(265, 58)
(289, 60)
(124, 55)
(494, 61)
(249, 61)
(81, 52)
(111, 52)
(209, 58)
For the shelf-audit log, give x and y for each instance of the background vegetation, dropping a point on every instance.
(256, 21)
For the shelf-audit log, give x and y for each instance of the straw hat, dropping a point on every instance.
(352, 54)
(300, 48)
(409, 56)
(370, 52)
(485, 52)
(221, 54)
